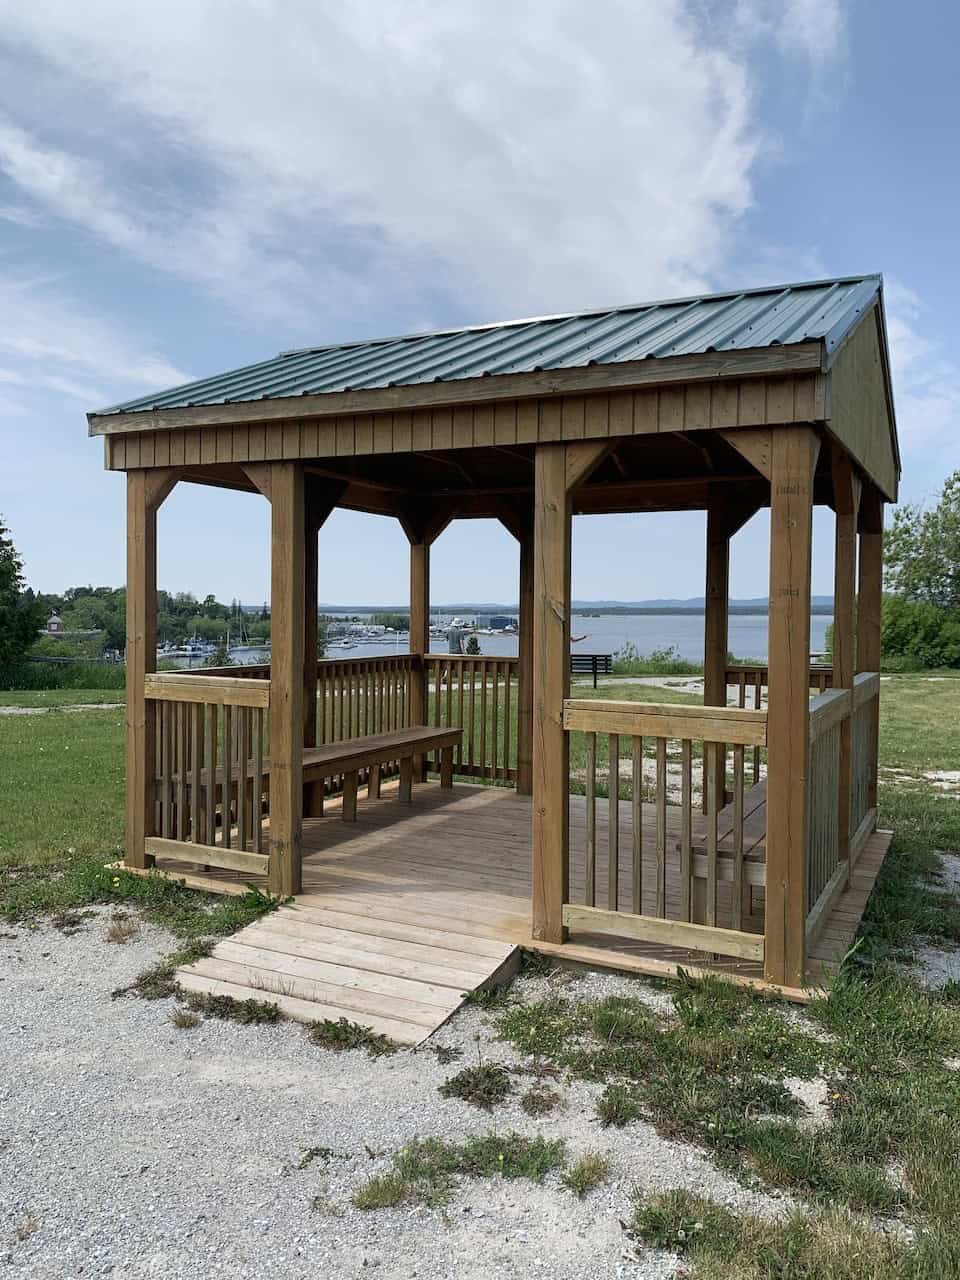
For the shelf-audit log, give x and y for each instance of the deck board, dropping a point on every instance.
(414, 904)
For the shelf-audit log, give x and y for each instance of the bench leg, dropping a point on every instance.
(446, 767)
(406, 779)
(313, 799)
(350, 797)
(373, 783)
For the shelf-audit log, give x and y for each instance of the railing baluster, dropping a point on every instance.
(686, 828)
(226, 803)
(613, 822)
(662, 827)
(736, 904)
(495, 727)
(196, 734)
(636, 824)
(713, 807)
(243, 802)
(167, 799)
(213, 729)
(483, 715)
(590, 889)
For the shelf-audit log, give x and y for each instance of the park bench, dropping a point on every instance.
(591, 664)
(371, 753)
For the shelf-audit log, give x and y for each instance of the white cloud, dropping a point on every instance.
(51, 341)
(327, 158)
(926, 383)
(812, 29)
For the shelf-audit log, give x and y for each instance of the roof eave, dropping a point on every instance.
(706, 366)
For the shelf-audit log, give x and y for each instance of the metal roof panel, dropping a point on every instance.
(823, 310)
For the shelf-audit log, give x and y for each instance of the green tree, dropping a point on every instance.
(473, 647)
(922, 550)
(21, 615)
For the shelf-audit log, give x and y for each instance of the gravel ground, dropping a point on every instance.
(131, 1148)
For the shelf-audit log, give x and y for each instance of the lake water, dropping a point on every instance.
(608, 634)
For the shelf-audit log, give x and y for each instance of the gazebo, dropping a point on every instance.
(737, 836)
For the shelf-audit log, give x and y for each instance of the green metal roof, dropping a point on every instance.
(820, 310)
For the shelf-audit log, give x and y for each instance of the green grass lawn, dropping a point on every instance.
(59, 697)
(920, 722)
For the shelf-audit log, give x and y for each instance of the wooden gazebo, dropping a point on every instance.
(723, 836)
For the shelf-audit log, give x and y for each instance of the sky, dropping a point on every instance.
(193, 186)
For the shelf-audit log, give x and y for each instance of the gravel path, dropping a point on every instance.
(131, 1148)
(70, 706)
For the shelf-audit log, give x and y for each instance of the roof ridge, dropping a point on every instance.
(551, 317)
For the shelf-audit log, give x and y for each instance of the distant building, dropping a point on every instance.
(54, 625)
(495, 621)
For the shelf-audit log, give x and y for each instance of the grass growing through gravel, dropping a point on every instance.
(427, 1170)
(243, 1011)
(342, 1035)
(713, 1074)
(485, 1085)
(829, 1245)
(586, 1173)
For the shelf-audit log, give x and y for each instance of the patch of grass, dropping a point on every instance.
(831, 1245)
(540, 1101)
(485, 1085)
(426, 1171)
(490, 997)
(534, 964)
(343, 1035)
(618, 1106)
(73, 697)
(160, 981)
(324, 1154)
(243, 1011)
(586, 1173)
(184, 1020)
(326, 1207)
(121, 929)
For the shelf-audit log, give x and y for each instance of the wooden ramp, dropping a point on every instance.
(400, 979)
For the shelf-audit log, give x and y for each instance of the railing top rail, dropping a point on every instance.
(398, 658)
(251, 671)
(736, 725)
(170, 686)
(828, 709)
(866, 685)
(471, 657)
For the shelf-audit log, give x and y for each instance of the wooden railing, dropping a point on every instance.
(359, 696)
(479, 695)
(828, 872)
(749, 682)
(212, 741)
(710, 848)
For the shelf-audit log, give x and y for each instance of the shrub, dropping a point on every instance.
(918, 634)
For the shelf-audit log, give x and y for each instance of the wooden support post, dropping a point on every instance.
(558, 469)
(287, 593)
(793, 458)
(869, 603)
(525, 668)
(310, 605)
(146, 491)
(846, 501)
(519, 520)
(715, 629)
(320, 498)
(551, 684)
(422, 527)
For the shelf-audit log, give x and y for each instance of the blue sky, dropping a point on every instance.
(192, 186)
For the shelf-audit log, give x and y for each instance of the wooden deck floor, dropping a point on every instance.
(412, 905)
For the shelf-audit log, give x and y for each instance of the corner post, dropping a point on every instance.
(287, 596)
(793, 458)
(715, 633)
(551, 685)
(869, 605)
(419, 628)
(846, 501)
(146, 490)
(558, 469)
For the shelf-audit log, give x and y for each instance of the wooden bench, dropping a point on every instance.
(591, 664)
(354, 754)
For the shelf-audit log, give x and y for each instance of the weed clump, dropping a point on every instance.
(426, 1171)
(184, 1020)
(540, 1101)
(243, 1011)
(342, 1035)
(485, 1085)
(586, 1173)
